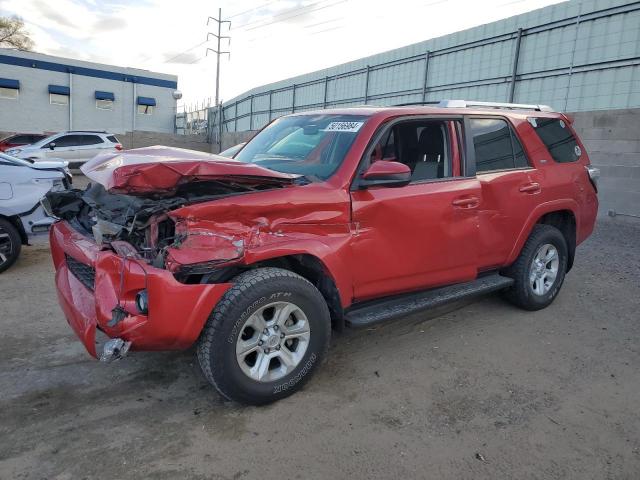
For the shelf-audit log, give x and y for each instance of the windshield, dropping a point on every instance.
(309, 145)
(13, 160)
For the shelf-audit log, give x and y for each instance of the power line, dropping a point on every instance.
(254, 9)
(185, 51)
(293, 10)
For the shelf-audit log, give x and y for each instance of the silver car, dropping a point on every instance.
(22, 186)
(76, 147)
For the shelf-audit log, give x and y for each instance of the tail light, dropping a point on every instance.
(118, 146)
(594, 175)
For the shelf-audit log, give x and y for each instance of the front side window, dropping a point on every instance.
(57, 99)
(422, 145)
(309, 145)
(66, 141)
(558, 139)
(496, 145)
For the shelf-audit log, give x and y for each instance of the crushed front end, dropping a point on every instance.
(129, 268)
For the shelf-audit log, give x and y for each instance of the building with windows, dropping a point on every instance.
(41, 93)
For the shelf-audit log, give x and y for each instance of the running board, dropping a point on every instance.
(377, 311)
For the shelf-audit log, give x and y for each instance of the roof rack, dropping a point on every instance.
(86, 131)
(514, 106)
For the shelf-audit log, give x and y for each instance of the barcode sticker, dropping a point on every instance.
(343, 127)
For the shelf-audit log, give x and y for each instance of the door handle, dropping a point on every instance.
(532, 187)
(466, 202)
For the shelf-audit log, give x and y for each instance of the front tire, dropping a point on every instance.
(266, 336)
(539, 270)
(10, 244)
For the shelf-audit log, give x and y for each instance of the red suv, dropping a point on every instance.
(324, 219)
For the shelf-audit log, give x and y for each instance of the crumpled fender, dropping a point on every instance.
(245, 233)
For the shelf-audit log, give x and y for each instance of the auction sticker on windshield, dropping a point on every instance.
(343, 127)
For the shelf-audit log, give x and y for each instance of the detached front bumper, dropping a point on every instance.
(91, 282)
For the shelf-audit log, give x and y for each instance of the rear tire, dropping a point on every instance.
(539, 270)
(10, 244)
(265, 337)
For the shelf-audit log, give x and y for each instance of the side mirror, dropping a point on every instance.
(386, 172)
(52, 145)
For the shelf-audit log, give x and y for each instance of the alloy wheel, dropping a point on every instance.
(273, 341)
(544, 269)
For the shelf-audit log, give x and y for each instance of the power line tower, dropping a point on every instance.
(217, 51)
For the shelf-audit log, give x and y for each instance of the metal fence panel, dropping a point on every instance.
(575, 56)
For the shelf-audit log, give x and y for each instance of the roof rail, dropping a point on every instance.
(408, 104)
(514, 106)
(86, 131)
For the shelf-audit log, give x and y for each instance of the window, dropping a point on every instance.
(57, 99)
(21, 139)
(104, 104)
(496, 145)
(422, 145)
(90, 140)
(9, 93)
(145, 109)
(113, 139)
(309, 145)
(67, 141)
(9, 88)
(559, 140)
(146, 105)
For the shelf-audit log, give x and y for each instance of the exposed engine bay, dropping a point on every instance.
(139, 225)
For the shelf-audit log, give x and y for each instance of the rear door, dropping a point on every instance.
(90, 146)
(510, 187)
(423, 234)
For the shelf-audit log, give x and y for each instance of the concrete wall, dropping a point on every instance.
(612, 139)
(32, 112)
(140, 139)
(229, 139)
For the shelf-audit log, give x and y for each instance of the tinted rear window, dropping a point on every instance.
(91, 140)
(496, 145)
(558, 139)
(113, 138)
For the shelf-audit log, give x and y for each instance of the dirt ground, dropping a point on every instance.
(475, 391)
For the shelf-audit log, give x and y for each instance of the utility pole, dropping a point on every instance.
(217, 51)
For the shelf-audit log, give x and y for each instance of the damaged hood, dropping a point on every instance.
(161, 170)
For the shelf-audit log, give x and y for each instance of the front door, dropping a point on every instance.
(421, 235)
(66, 147)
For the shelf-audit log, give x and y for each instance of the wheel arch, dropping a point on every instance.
(315, 271)
(15, 221)
(561, 214)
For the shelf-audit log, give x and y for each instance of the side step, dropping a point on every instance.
(376, 311)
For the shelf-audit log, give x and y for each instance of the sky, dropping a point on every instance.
(270, 39)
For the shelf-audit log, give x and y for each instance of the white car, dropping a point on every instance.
(22, 187)
(76, 147)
